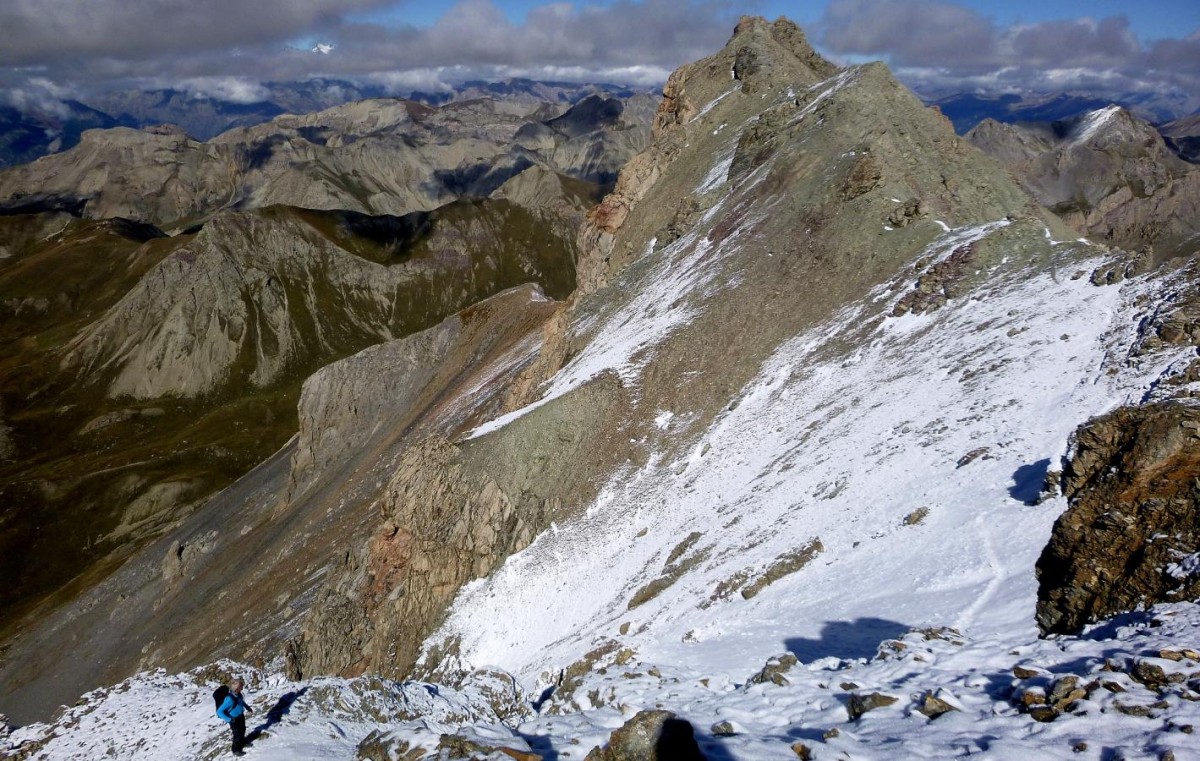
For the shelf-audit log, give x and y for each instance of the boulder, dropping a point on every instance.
(774, 669)
(860, 704)
(650, 736)
(934, 706)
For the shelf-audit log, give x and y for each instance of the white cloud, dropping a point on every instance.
(934, 43)
(232, 89)
(39, 95)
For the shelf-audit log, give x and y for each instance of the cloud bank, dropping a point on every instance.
(942, 45)
(91, 42)
(228, 48)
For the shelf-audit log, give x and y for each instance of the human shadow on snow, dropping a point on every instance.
(543, 745)
(680, 740)
(849, 640)
(276, 714)
(1028, 481)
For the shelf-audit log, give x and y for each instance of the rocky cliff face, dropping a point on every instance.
(1131, 537)
(1107, 173)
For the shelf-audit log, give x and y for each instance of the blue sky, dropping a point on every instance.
(228, 48)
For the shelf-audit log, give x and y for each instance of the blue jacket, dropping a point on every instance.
(233, 707)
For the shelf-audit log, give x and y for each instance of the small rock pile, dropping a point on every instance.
(1130, 685)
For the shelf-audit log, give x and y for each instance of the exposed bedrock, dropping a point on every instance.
(1131, 536)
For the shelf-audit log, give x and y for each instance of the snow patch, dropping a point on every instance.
(1185, 568)
(1091, 124)
(713, 103)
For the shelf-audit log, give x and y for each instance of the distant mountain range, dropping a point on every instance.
(28, 135)
(25, 136)
(965, 110)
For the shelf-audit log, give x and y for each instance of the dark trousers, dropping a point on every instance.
(238, 727)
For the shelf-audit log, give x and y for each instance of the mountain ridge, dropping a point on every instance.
(781, 461)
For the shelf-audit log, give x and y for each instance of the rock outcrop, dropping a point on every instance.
(759, 54)
(1131, 536)
(650, 736)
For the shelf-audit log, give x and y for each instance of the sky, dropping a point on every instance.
(228, 48)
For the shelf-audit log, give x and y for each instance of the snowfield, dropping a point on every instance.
(867, 505)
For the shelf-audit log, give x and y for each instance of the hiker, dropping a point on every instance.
(233, 710)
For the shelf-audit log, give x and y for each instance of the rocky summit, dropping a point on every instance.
(1107, 173)
(816, 434)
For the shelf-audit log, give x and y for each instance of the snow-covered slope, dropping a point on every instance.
(955, 696)
(880, 490)
(847, 431)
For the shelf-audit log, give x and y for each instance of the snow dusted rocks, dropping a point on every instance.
(154, 716)
(1131, 536)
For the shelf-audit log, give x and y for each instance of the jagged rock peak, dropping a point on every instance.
(755, 35)
(760, 53)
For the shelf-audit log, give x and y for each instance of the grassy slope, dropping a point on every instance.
(67, 492)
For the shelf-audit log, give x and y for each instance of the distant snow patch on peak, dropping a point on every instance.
(324, 48)
(1091, 124)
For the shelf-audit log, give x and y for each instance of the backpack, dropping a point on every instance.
(219, 695)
